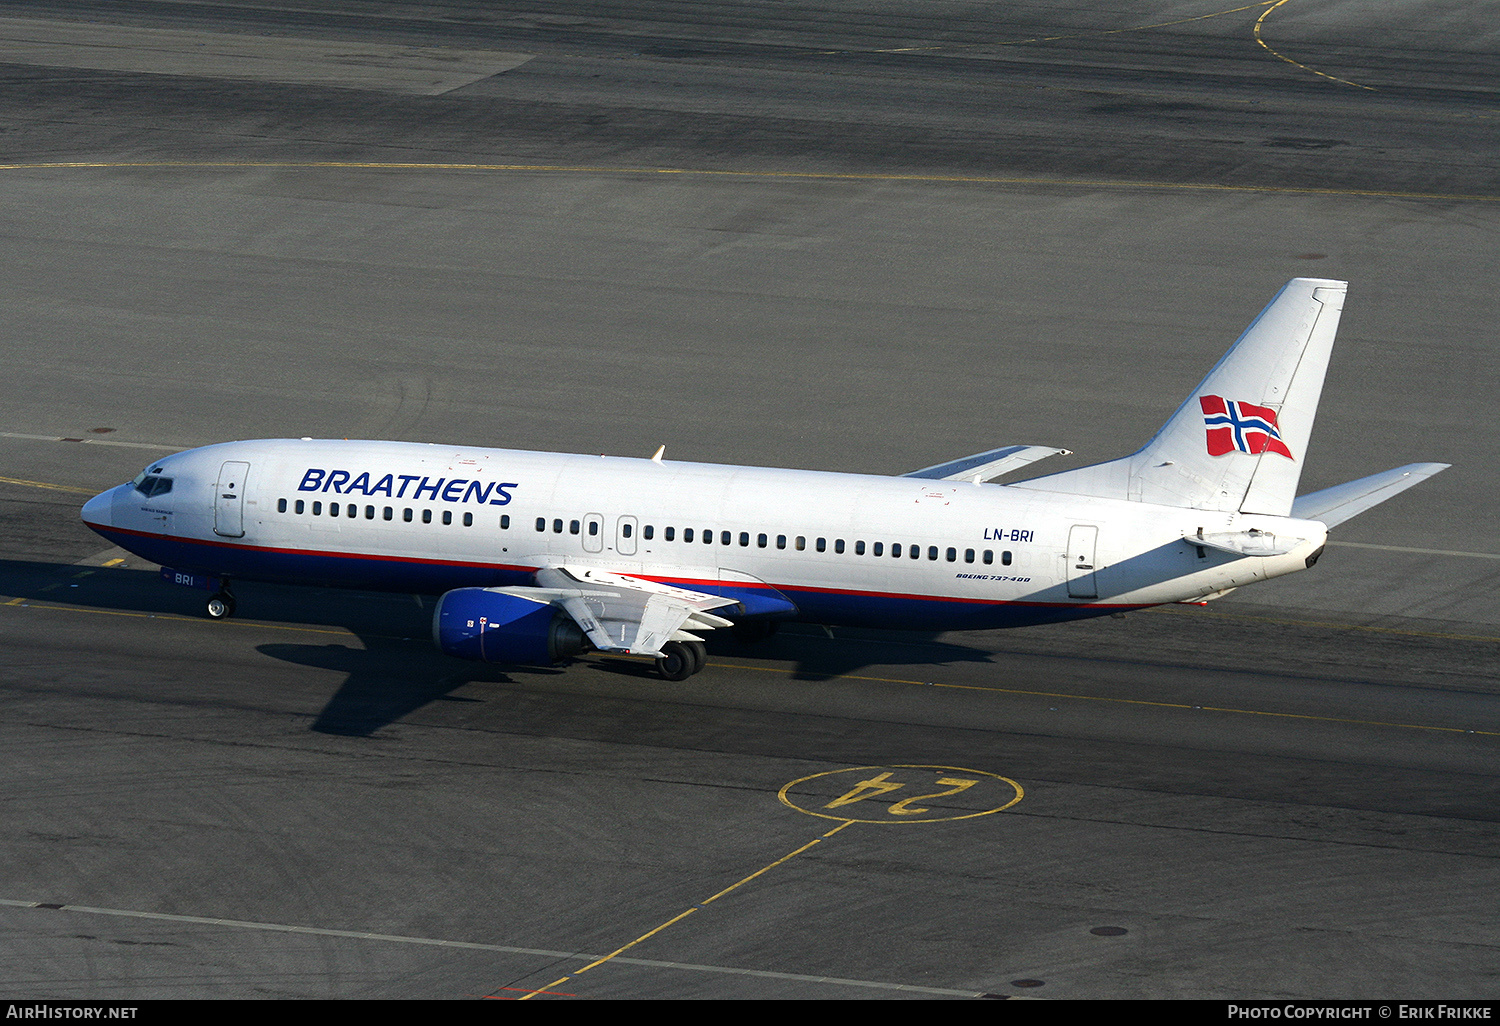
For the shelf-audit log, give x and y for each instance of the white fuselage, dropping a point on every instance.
(841, 548)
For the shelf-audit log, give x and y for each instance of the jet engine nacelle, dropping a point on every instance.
(497, 627)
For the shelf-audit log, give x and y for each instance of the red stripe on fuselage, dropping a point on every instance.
(681, 582)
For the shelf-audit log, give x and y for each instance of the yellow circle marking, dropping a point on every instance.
(899, 794)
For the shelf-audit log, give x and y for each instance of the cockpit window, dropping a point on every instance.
(151, 484)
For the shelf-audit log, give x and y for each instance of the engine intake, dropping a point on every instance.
(498, 627)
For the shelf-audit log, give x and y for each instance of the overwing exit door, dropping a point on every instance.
(625, 536)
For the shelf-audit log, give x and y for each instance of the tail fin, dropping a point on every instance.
(1238, 441)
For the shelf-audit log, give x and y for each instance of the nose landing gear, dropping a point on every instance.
(220, 604)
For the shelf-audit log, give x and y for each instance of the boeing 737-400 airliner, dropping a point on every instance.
(539, 557)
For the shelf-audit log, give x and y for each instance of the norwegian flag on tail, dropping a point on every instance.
(1240, 427)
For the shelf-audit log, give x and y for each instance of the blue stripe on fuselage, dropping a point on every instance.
(329, 569)
(433, 577)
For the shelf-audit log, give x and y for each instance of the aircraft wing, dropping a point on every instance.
(625, 614)
(986, 466)
(1341, 502)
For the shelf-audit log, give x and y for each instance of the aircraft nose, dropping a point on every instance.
(99, 511)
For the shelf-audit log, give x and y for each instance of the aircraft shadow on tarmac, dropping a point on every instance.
(394, 669)
(389, 678)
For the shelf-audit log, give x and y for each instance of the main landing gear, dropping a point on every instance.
(220, 604)
(679, 660)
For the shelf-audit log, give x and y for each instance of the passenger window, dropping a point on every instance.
(744, 539)
(1005, 557)
(708, 537)
(896, 549)
(317, 509)
(859, 548)
(670, 533)
(647, 532)
(989, 556)
(541, 523)
(556, 525)
(724, 537)
(932, 552)
(838, 545)
(625, 530)
(281, 505)
(878, 549)
(388, 513)
(468, 520)
(427, 516)
(915, 551)
(447, 516)
(687, 534)
(333, 509)
(352, 511)
(593, 528)
(406, 514)
(801, 543)
(952, 555)
(968, 555)
(300, 507)
(574, 526)
(369, 512)
(761, 541)
(781, 541)
(822, 544)
(505, 521)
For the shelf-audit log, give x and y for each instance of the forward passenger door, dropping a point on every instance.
(229, 500)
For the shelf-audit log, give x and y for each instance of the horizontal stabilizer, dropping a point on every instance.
(1342, 502)
(986, 466)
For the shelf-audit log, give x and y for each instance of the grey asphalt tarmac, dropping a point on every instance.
(856, 237)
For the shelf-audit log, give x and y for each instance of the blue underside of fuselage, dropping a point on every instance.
(433, 577)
